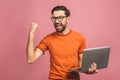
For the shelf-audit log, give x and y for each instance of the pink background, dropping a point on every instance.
(98, 20)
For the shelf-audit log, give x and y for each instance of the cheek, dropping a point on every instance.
(64, 22)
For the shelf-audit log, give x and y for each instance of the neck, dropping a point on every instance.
(66, 31)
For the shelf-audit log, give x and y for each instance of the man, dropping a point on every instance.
(65, 47)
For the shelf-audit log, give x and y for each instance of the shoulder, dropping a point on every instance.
(49, 36)
(77, 34)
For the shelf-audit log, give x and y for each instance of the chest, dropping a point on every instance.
(64, 47)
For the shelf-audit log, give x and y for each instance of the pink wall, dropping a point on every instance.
(98, 20)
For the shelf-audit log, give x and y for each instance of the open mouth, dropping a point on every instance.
(58, 26)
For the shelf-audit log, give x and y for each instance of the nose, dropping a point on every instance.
(56, 21)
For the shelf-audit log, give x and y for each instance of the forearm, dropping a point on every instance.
(30, 46)
(80, 60)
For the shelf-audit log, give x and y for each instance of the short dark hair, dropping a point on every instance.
(57, 8)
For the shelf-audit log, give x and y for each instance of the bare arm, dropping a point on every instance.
(80, 60)
(32, 55)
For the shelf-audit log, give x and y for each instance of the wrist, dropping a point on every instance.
(32, 32)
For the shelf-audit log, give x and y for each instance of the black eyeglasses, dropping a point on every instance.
(59, 18)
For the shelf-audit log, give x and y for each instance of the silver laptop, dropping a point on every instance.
(99, 55)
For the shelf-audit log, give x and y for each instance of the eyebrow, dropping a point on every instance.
(58, 16)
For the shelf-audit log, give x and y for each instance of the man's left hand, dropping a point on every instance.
(93, 69)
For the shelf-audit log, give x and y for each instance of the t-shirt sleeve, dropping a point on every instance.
(83, 45)
(43, 45)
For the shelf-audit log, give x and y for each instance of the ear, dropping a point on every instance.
(68, 18)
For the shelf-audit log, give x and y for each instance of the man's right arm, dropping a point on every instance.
(32, 54)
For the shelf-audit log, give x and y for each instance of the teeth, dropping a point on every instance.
(59, 27)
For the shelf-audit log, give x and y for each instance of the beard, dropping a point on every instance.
(59, 27)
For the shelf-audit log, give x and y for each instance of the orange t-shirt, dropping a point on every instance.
(63, 51)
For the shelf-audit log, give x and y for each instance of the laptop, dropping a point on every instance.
(99, 55)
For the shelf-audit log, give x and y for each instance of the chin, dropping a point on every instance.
(58, 30)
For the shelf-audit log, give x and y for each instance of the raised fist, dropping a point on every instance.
(34, 26)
